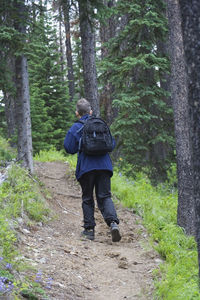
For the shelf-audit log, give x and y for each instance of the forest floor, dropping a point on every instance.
(72, 268)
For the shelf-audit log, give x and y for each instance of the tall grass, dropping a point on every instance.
(54, 155)
(50, 155)
(21, 204)
(158, 206)
(20, 197)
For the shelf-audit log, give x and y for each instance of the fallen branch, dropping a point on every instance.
(55, 178)
(68, 195)
(68, 211)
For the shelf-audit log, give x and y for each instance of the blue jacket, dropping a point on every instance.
(85, 163)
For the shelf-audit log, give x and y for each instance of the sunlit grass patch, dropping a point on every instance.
(54, 155)
(50, 155)
(178, 275)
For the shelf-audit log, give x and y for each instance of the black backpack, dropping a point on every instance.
(96, 137)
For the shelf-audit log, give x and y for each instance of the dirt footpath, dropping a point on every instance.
(70, 268)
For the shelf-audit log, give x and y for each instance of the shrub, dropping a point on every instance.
(6, 152)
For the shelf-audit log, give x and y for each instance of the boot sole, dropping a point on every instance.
(116, 237)
(87, 236)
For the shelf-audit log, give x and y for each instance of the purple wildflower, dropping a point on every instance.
(5, 285)
(49, 283)
(8, 266)
(38, 277)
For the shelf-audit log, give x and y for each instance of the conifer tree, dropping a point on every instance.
(10, 40)
(70, 69)
(49, 96)
(88, 54)
(76, 52)
(133, 66)
(108, 27)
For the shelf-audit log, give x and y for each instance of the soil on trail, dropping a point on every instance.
(71, 268)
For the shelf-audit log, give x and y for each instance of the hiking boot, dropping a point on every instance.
(116, 237)
(88, 234)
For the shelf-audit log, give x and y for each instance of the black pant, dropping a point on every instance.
(100, 179)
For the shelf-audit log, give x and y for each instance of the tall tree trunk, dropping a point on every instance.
(60, 42)
(186, 212)
(65, 7)
(190, 12)
(22, 103)
(161, 149)
(23, 114)
(107, 31)
(88, 55)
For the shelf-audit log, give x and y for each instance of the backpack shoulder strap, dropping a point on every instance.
(82, 122)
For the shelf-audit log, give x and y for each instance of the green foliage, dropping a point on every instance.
(72, 160)
(78, 65)
(20, 197)
(54, 155)
(172, 175)
(51, 110)
(11, 41)
(19, 194)
(135, 68)
(7, 238)
(158, 207)
(6, 152)
(50, 155)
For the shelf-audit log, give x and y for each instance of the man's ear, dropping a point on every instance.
(91, 112)
(77, 114)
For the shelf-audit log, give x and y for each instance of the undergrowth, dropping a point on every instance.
(177, 277)
(50, 155)
(54, 155)
(21, 202)
(6, 152)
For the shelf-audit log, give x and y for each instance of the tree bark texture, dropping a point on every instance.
(179, 93)
(190, 13)
(88, 56)
(60, 43)
(22, 103)
(23, 114)
(107, 31)
(70, 70)
(162, 150)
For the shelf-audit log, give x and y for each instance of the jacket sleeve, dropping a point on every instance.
(71, 142)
